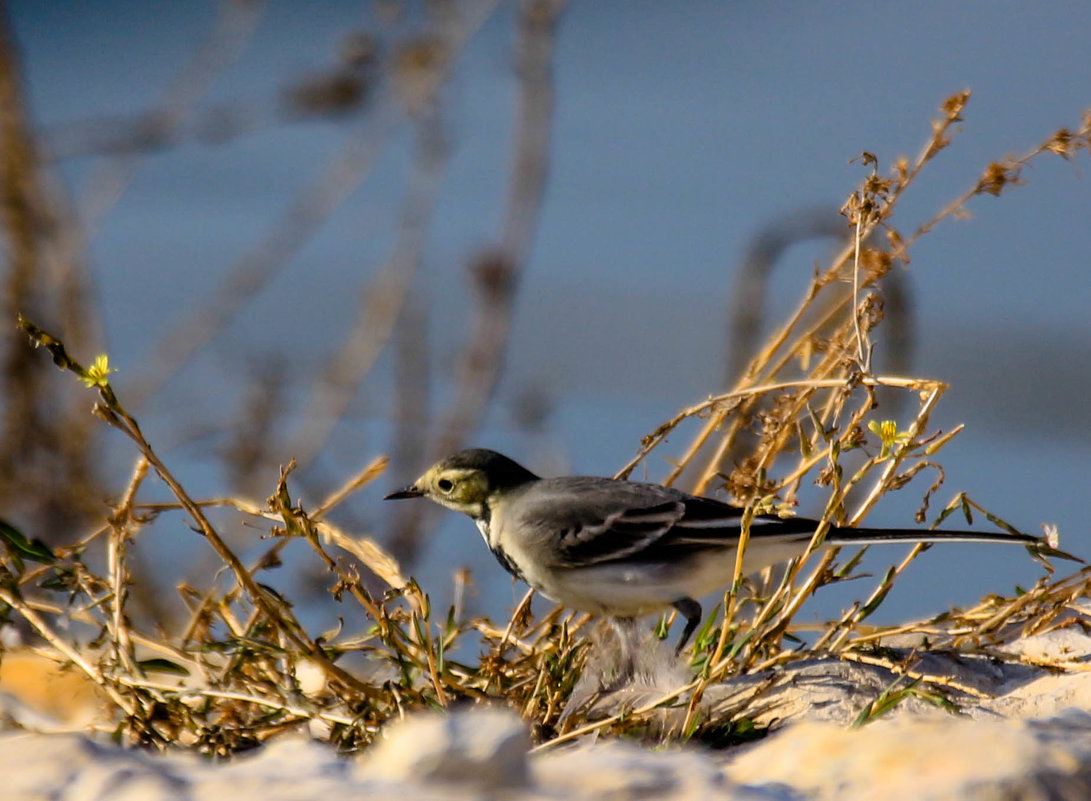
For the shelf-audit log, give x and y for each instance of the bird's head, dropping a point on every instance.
(465, 481)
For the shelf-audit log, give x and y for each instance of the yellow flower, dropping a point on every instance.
(888, 434)
(95, 375)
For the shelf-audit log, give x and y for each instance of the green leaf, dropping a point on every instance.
(61, 579)
(159, 665)
(880, 595)
(35, 550)
(887, 700)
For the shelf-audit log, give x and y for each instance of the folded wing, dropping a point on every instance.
(674, 528)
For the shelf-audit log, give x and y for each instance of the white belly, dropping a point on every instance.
(632, 590)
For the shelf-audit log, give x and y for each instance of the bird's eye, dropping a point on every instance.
(445, 485)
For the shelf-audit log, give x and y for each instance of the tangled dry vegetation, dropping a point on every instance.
(243, 667)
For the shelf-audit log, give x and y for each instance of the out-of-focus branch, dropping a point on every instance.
(746, 308)
(412, 389)
(495, 273)
(237, 20)
(44, 445)
(21, 210)
(266, 258)
(422, 67)
(382, 303)
(747, 305)
(160, 126)
(318, 200)
(333, 93)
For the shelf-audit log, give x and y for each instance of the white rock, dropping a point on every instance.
(927, 760)
(75, 768)
(615, 770)
(480, 747)
(287, 769)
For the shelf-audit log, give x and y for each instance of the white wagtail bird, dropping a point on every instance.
(624, 548)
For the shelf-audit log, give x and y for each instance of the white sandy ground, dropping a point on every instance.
(1026, 734)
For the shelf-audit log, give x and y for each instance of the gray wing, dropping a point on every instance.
(617, 521)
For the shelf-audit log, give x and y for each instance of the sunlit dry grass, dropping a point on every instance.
(243, 668)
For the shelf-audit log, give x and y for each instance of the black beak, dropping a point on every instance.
(408, 492)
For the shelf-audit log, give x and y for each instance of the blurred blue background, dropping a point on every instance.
(680, 130)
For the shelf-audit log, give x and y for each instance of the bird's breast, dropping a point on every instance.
(497, 549)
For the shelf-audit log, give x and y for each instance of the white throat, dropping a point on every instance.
(483, 527)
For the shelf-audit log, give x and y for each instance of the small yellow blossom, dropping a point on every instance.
(95, 376)
(888, 434)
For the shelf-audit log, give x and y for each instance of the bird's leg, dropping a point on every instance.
(691, 611)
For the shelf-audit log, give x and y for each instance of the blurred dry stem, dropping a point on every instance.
(45, 464)
(310, 209)
(382, 303)
(495, 272)
(236, 21)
